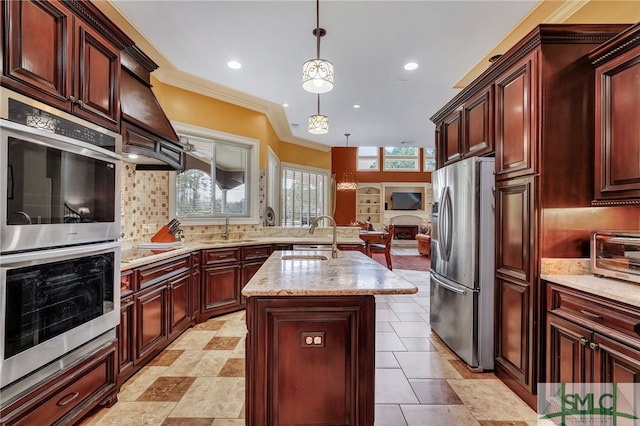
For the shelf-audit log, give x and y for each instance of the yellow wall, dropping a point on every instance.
(199, 110)
(607, 12)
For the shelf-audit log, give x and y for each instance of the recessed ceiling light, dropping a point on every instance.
(410, 66)
(286, 105)
(234, 65)
(134, 156)
(356, 106)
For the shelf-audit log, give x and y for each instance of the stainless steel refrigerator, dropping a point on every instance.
(462, 259)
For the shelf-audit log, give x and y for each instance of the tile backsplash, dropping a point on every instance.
(145, 208)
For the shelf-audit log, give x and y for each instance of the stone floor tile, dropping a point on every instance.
(411, 329)
(389, 415)
(388, 341)
(438, 415)
(434, 392)
(386, 360)
(425, 365)
(392, 387)
(167, 389)
(418, 344)
(216, 397)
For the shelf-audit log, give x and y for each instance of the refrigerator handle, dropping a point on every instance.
(447, 286)
(446, 225)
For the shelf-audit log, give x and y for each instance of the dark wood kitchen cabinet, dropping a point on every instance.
(69, 395)
(617, 107)
(542, 102)
(152, 331)
(220, 289)
(253, 257)
(320, 349)
(53, 52)
(126, 329)
(590, 339)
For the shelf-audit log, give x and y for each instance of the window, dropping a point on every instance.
(368, 158)
(401, 158)
(304, 194)
(273, 184)
(429, 159)
(219, 179)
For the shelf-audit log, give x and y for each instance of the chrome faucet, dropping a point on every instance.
(225, 235)
(334, 244)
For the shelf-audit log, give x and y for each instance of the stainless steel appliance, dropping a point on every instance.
(53, 301)
(462, 259)
(616, 254)
(59, 254)
(61, 177)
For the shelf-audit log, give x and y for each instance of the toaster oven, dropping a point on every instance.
(616, 254)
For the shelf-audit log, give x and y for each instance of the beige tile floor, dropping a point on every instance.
(199, 379)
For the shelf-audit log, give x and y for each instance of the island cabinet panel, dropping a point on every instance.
(617, 134)
(58, 58)
(590, 339)
(310, 360)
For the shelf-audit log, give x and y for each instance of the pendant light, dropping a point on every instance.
(317, 74)
(348, 182)
(318, 124)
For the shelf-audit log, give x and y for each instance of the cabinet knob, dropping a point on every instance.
(593, 346)
(80, 103)
(583, 341)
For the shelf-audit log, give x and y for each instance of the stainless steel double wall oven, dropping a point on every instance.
(59, 254)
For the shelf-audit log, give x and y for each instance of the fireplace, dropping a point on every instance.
(405, 232)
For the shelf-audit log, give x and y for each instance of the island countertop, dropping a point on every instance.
(352, 273)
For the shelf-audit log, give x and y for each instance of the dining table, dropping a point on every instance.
(370, 237)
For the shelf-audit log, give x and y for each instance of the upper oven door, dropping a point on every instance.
(58, 191)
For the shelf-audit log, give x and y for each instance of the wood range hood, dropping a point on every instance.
(146, 130)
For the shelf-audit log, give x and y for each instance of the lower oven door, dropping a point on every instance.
(53, 301)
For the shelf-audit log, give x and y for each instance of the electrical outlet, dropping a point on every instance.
(311, 339)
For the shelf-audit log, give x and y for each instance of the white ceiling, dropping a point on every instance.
(367, 41)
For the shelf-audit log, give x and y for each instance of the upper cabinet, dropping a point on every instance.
(51, 54)
(617, 109)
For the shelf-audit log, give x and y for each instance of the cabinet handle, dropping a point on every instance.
(591, 314)
(594, 346)
(169, 269)
(583, 341)
(65, 400)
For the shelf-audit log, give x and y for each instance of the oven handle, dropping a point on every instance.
(18, 260)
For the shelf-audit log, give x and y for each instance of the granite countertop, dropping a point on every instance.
(620, 291)
(134, 258)
(352, 273)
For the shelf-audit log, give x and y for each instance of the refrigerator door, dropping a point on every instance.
(453, 317)
(455, 217)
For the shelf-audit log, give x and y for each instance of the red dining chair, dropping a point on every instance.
(384, 247)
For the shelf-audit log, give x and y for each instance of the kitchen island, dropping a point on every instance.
(310, 348)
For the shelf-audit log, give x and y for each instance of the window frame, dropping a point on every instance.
(428, 154)
(386, 156)
(253, 145)
(365, 157)
(326, 174)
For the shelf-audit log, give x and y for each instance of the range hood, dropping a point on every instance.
(146, 130)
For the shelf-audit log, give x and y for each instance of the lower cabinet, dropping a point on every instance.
(220, 291)
(590, 340)
(151, 322)
(66, 398)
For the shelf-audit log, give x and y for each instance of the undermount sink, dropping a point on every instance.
(304, 257)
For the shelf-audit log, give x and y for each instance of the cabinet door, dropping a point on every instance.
(515, 93)
(151, 321)
(37, 50)
(451, 137)
(514, 331)
(126, 336)
(614, 362)
(97, 86)
(568, 352)
(179, 304)
(220, 289)
(515, 228)
(617, 169)
(478, 124)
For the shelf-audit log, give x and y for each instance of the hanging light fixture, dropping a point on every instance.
(317, 74)
(318, 124)
(348, 182)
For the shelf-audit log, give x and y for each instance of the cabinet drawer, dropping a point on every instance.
(256, 252)
(159, 271)
(598, 314)
(88, 382)
(214, 256)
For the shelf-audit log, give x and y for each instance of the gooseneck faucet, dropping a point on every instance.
(334, 244)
